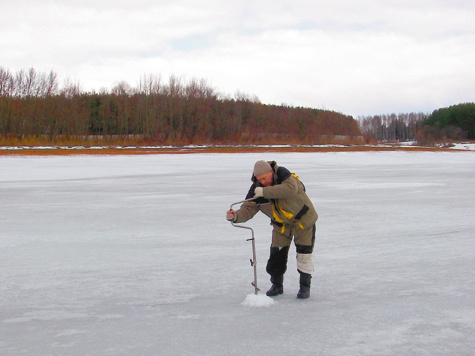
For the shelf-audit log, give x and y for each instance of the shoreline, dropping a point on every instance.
(146, 150)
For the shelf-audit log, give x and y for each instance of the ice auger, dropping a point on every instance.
(253, 259)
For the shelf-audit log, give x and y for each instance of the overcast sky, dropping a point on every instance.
(358, 57)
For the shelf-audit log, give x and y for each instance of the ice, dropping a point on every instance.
(258, 300)
(132, 255)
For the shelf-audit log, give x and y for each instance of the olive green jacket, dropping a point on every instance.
(285, 202)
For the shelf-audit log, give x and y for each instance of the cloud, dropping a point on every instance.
(360, 58)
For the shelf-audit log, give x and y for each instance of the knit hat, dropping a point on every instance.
(261, 167)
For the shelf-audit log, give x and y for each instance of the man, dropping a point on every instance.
(280, 195)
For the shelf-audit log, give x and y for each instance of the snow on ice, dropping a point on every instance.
(129, 255)
(258, 300)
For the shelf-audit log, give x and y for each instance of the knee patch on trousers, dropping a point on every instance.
(277, 263)
(305, 262)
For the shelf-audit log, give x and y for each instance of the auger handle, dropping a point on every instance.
(253, 261)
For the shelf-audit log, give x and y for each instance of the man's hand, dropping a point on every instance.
(258, 192)
(230, 215)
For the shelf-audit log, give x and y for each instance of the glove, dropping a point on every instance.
(258, 192)
(230, 215)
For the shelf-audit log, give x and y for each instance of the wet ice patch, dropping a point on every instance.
(258, 300)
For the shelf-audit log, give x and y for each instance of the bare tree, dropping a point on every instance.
(70, 88)
(150, 84)
(6, 83)
(51, 84)
(122, 89)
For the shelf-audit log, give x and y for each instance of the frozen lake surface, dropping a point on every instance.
(129, 255)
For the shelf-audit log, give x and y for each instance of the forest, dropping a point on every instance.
(34, 109)
(455, 123)
(392, 128)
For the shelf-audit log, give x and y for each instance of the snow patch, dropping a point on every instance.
(258, 300)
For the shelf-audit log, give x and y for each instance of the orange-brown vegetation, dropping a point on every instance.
(62, 151)
(34, 111)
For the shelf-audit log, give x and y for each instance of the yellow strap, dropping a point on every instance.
(286, 213)
(296, 176)
(276, 217)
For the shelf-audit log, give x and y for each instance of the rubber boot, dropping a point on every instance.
(277, 286)
(305, 280)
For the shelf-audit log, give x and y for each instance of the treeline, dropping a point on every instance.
(454, 123)
(391, 128)
(33, 105)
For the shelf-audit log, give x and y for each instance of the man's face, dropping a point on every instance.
(265, 178)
